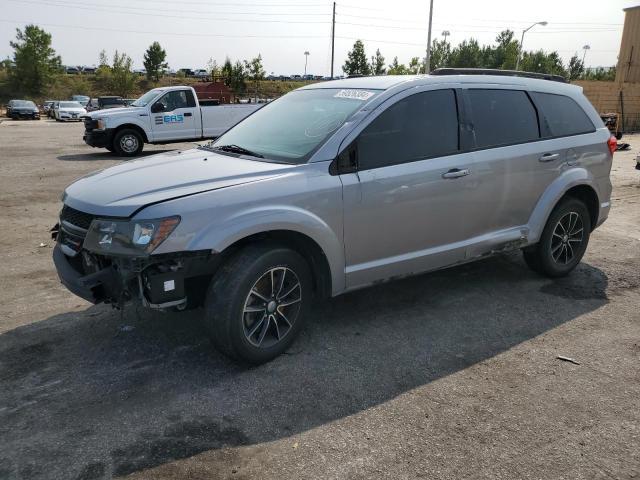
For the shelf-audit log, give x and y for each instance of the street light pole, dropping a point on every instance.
(427, 58)
(522, 41)
(445, 34)
(306, 57)
(585, 48)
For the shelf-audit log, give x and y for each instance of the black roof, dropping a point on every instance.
(504, 73)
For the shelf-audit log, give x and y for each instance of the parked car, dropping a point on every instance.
(81, 99)
(162, 115)
(201, 73)
(338, 186)
(51, 113)
(69, 111)
(110, 101)
(23, 109)
(72, 70)
(46, 106)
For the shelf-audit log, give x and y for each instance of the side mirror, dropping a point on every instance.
(157, 107)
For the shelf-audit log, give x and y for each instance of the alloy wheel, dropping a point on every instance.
(272, 307)
(567, 237)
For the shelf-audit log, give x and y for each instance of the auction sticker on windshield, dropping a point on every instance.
(354, 94)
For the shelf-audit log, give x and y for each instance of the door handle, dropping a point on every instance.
(548, 157)
(187, 114)
(456, 173)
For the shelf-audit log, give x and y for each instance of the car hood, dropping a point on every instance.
(72, 110)
(113, 112)
(122, 190)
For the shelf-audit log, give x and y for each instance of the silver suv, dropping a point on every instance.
(338, 186)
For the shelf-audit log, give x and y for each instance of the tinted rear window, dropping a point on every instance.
(421, 126)
(561, 115)
(502, 117)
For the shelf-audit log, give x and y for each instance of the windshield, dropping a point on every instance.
(147, 97)
(291, 128)
(24, 103)
(70, 105)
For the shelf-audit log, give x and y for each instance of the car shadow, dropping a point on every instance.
(105, 155)
(102, 393)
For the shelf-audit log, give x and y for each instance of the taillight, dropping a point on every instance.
(613, 144)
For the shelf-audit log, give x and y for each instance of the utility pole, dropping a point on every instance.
(427, 58)
(306, 57)
(333, 36)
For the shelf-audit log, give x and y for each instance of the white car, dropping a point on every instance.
(68, 111)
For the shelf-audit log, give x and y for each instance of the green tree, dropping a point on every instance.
(415, 66)
(440, 53)
(237, 78)
(35, 62)
(467, 55)
(377, 67)
(123, 80)
(213, 68)
(256, 71)
(397, 68)
(103, 73)
(154, 61)
(575, 68)
(227, 71)
(356, 63)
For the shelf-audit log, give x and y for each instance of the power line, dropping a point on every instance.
(145, 12)
(157, 33)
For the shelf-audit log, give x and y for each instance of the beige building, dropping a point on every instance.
(628, 69)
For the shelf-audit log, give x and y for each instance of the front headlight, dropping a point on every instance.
(102, 123)
(117, 237)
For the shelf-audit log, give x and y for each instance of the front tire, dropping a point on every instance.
(563, 242)
(257, 303)
(128, 143)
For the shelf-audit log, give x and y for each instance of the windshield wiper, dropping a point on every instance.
(237, 149)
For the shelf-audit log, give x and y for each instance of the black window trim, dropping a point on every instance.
(334, 168)
(547, 130)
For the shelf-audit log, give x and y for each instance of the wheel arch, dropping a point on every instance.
(577, 183)
(131, 126)
(307, 247)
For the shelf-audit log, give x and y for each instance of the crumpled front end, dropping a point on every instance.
(157, 281)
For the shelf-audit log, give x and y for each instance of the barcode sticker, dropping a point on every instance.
(354, 94)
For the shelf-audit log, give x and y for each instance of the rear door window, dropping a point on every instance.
(502, 117)
(561, 116)
(421, 126)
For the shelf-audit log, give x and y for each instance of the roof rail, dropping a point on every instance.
(493, 71)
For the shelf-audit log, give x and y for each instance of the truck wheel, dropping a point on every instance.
(563, 242)
(128, 143)
(257, 302)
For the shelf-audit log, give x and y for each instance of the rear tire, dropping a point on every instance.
(257, 302)
(128, 143)
(563, 242)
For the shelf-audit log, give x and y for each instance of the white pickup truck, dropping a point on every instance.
(162, 115)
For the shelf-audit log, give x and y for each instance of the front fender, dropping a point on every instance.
(553, 194)
(220, 236)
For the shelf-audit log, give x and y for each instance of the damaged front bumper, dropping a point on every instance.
(157, 281)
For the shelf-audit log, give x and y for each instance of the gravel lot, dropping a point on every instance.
(447, 375)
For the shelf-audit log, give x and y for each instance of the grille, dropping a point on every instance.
(76, 217)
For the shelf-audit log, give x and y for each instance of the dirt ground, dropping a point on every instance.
(449, 375)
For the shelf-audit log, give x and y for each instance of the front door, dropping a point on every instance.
(173, 116)
(405, 208)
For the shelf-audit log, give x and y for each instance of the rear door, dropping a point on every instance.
(511, 162)
(175, 116)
